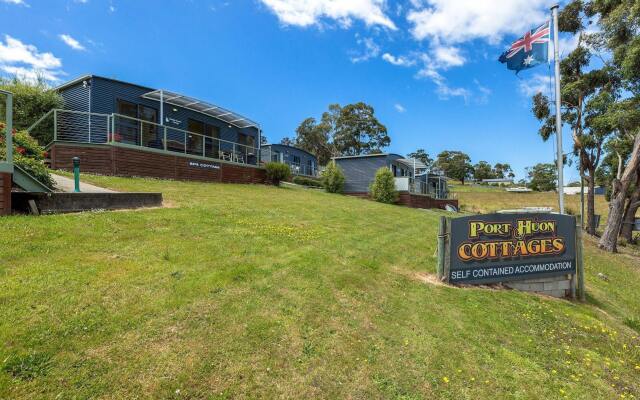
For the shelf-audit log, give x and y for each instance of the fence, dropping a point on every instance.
(414, 186)
(6, 115)
(84, 127)
(309, 169)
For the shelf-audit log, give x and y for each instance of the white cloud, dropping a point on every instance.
(538, 83)
(484, 92)
(443, 89)
(457, 21)
(71, 42)
(310, 12)
(448, 56)
(17, 2)
(400, 61)
(399, 108)
(371, 50)
(17, 58)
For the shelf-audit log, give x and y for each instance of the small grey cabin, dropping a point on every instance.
(411, 175)
(300, 161)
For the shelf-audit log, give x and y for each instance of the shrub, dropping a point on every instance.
(306, 181)
(31, 100)
(333, 178)
(28, 155)
(383, 188)
(277, 172)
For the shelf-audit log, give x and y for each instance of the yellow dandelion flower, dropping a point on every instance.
(445, 379)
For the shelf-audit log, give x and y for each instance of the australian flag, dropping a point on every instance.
(530, 50)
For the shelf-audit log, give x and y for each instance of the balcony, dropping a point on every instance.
(115, 129)
(408, 184)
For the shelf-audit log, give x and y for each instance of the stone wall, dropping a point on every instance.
(557, 286)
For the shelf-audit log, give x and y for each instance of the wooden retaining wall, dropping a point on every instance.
(415, 200)
(5, 193)
(122, 161)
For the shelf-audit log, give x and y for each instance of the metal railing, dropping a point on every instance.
(414, 186)
(6, 161)
(296, 168)
(85, 127)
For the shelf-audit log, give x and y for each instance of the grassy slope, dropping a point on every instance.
(476, 198)
(252, 291)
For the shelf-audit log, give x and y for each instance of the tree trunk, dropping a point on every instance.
(609, 238)
(591, 203)
(630, 214)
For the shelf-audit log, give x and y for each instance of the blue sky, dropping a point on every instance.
(428, 67)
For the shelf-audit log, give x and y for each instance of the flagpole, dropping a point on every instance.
(560, 156)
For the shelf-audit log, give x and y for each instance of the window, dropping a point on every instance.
(310, 168)
(195, 126)
(212, 141)
(149, 131)
(296, 160)
(127, 127)
(195, 140)
(127, 108)
(275, 156)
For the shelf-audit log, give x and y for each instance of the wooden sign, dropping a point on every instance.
(494, 248)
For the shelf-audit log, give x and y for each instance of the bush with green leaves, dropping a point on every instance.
(277, 172)
(333, 178)
(32, 99)
(27, 154)
(306, 181)
(383, 188)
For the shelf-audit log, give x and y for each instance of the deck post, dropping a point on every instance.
(9, 129)
(55, 125)
(441, 246)
(165, 138)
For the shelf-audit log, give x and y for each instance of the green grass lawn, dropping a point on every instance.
(259, 292)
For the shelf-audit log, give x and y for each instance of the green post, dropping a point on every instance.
(76, 174)
(580, 260)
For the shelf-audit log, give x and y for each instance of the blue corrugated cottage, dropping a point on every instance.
(134, 105)
(300, 161)
(105, 118)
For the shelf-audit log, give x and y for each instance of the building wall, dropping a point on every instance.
(123, 161)
(106, 92)
(359, 172)
(287, 153)
(76, 97)
(5, 193)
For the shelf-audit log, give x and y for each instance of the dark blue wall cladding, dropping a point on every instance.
(76, 97)
(105, 93)
(359, 172)
(286, 154)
